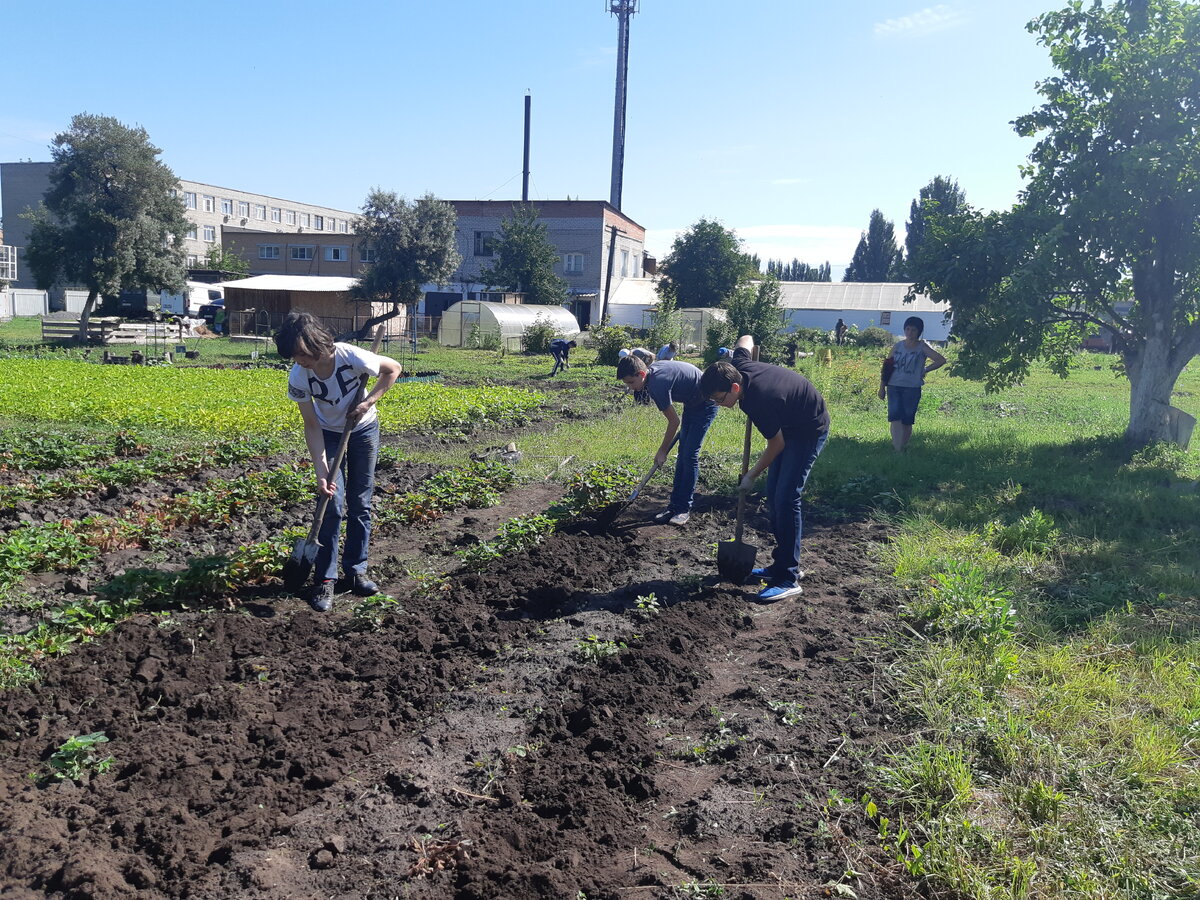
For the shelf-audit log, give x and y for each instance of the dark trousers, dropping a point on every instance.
(785, 486)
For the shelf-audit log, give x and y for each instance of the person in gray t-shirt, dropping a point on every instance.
(904, 374)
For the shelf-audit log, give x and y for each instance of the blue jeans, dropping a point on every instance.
(692, 429)
(560, 362)
(355, 483)
(903, 403)
(785, 486)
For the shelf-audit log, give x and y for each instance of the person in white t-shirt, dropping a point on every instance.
(324, 381)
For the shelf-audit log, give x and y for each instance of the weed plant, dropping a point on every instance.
(76, 759)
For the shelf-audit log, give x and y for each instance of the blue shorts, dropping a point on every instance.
(903, 403)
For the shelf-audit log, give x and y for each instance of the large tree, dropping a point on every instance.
(1106, 233)
(877, 258)
(525, 259)
(111, 218)
(412, 244)
(942, 196)
(705, 264)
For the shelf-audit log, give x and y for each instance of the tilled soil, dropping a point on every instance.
(479, 744)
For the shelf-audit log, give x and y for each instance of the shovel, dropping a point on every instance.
(735, 560)
(299, 566)
(607, 516)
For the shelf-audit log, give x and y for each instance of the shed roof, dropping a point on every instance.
(310, 283)
(866, 295)
(635, 291)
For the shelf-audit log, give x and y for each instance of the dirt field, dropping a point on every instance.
(469, 747)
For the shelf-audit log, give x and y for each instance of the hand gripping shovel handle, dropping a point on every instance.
(336, 465)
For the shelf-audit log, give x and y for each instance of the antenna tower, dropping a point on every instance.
(623, 10)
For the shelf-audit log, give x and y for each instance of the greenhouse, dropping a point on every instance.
(477, 324)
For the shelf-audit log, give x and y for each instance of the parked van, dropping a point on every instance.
(197, 295)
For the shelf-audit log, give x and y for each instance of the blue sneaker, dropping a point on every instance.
(777, 592)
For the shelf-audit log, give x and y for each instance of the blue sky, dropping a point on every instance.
(786, 120)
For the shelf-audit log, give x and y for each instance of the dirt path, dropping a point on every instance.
(468, 748)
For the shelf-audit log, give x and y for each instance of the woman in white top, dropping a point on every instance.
(903, 378)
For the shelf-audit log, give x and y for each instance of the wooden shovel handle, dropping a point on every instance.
(336, 467)
(741, 506)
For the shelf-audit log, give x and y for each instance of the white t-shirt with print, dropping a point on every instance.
(333, 397)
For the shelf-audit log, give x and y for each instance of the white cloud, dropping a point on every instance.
(812, 244)
(918, 24)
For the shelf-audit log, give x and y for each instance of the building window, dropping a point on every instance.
(624, 263)
(276, 214)
(368, 254)
(336, 254)
(226, 206)
(210, 234)
(209, 203)
(319, 223)
(483, 243)
(290, 217)
(305, 220)
(192, 233)
(260, 212)
(573, 263)
(191, 261)
(243, 209)
(301, 252)
(885, 318)
(189, 199)
(268, 251)
(344, 226)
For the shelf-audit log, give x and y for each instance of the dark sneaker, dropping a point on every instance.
(778, 592)
(320, 596)
(358, 585)
(764, 574)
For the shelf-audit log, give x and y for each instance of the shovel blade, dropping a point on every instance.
(298, 567)
(735, 560)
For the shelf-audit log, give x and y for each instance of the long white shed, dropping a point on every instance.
(477, 323)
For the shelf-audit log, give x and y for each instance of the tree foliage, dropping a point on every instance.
(942, 196)
(220, 260)
(704, 266)
(877, 257)
(1105, 235)
(525, 259)
(112, 218)
(754, 309)
(413, 245)
(798, 271)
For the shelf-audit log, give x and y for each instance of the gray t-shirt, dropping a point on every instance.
(910, 365)
(675, 382)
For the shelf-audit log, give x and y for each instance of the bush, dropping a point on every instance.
(874, 336)
(816, 337)
(537, 336)
(607, 340)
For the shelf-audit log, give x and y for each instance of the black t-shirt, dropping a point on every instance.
(778, 399)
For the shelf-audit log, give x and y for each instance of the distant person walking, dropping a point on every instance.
(560, 349)
(904, 373)
(839, 332)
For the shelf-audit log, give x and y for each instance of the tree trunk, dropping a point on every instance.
(1153, 371)
(85, 316)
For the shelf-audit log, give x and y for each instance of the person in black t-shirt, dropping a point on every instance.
(790, 413)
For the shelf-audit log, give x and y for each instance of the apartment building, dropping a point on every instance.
(210, 210)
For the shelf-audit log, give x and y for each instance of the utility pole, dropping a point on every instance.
(525, 168)
(623, 10)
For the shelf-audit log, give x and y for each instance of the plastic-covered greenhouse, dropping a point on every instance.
(476, 323)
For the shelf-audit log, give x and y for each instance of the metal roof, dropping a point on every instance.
(309, 283)
(853, 295)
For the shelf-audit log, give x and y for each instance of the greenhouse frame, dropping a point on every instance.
(479, 324)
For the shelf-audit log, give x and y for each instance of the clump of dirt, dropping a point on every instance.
(597, 715)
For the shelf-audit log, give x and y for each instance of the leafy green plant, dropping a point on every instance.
(516, 535)
(597, 487)
(647, 606)
(594, 649)
(370, 612)
(790, 712)
(964, 603)
(76, 759)
(1034, 533)
(537, 335)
